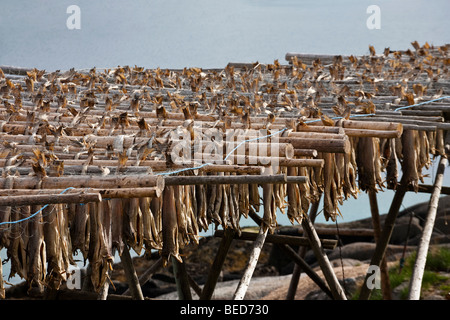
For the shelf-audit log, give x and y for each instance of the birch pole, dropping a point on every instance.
(422, 250)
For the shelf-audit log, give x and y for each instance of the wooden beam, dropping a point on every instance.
(43, 199)
(87, 181)
(105, 193)
(239, 179)
(280, 239)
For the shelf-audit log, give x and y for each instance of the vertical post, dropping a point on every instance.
(385, 283)
(181, 280)
(216, 267)
(130, 273)
(322, 259)
(422, 250)
(385, 236)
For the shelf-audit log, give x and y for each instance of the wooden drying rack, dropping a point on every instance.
(56, 134)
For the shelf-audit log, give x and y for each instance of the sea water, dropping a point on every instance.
(210, 34)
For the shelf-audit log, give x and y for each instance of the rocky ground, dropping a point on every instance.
(273, 272)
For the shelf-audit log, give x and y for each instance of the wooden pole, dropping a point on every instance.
(422, 250)
(216, 267)
(321, 145)
(242, 179)
(144, 277)
(105, 193)
(280, 239)
(283, 162)
(308, 270)
(385, 235)
(253, 260)
(293, 284)
(181, 280)
(87, 181)
(385, 283)
(42, 199)
(322, 259)
(130, 273)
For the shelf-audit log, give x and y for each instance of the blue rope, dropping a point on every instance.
(422, 103)
(34, 214)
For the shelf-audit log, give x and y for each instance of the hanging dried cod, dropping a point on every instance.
(132, 224)
(269, 204)
(100, 244)
(58, 244)
(294, 208)
(36, 260)
(409, 158)
(150, 233)
(80, 228)
(18, 243)
(369, 165)
(170, 247)
(330, 192)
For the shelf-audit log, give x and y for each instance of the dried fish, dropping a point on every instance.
(16, 250)
(80, 229)
(269, 215)
(36, 261)
(294, 208)
(117, 242)
(409, 159)
(330, 209)
(53, 234)
(391, 166)
(132, 224)
(100, 256)
(170, 246)
(150, 233)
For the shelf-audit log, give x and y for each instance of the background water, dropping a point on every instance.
(211, 33)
